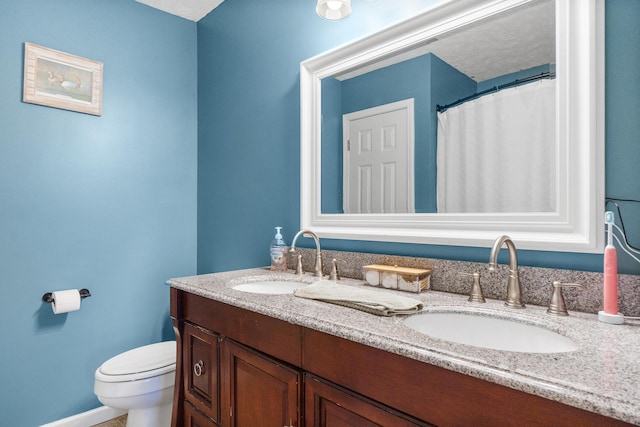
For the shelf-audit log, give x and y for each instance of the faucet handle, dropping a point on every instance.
(334, 270)
(299, 270)
(557, 306)
(476, 290)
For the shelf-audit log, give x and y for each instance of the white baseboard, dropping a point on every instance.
(89, 418)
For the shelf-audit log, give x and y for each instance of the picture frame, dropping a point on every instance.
(61, 80)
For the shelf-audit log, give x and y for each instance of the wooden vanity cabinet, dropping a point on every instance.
(200, 372)
(258, 390)
(195, 418)
(433, 394)
(328, 405)
(248, 365)
(264, 362)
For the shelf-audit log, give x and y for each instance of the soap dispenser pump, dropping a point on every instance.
(278, 252)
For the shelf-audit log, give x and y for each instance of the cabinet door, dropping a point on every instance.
(195, 418)
(200, 369)
(258, 391)
(327, 405)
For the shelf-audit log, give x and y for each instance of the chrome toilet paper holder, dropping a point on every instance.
(48, 297)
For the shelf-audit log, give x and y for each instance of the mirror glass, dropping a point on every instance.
(536, 176)
(375, 159)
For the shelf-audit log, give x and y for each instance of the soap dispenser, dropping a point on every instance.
(278, 252)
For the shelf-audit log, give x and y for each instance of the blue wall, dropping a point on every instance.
(249, 53)
(429, 81)
(107, 203)
(623, 117)
(407, 79)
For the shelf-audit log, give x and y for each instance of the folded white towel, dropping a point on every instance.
(371, 301)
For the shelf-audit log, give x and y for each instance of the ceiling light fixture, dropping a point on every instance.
(333, 9)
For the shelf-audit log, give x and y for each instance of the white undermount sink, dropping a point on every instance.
(270, 287)
(497, 333)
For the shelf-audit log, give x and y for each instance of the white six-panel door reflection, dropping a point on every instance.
(378, 159)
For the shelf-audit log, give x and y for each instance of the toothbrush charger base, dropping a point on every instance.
(613, 319)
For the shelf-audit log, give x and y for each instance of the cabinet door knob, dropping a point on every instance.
(198, 368)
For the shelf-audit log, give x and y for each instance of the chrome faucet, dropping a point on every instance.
(514, 291)
(309, 233)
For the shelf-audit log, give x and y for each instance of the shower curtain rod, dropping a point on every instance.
(547, 75)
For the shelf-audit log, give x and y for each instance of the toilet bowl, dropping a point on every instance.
(141, 382)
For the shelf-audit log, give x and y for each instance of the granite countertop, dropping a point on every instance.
(602, 376)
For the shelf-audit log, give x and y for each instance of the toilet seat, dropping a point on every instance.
(140, 363)
(141, 382)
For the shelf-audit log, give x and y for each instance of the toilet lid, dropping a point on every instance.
(141, 359)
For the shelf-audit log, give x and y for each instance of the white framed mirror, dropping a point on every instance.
(574, 221)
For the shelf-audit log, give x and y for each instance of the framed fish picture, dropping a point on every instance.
(61, 80)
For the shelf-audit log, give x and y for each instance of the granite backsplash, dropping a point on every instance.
(536, 282)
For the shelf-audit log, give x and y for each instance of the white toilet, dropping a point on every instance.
(140, 381)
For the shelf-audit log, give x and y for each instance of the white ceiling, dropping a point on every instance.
(193, 10)
(509, 42)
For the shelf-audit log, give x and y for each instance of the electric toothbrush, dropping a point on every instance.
(610, 313)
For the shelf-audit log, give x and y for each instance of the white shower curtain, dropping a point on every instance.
(497, 153)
